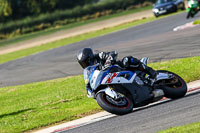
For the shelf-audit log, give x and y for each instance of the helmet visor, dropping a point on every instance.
(86, 63)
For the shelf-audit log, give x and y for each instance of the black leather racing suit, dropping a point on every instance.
(106, 59)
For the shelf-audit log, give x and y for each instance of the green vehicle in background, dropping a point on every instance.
(192, 8)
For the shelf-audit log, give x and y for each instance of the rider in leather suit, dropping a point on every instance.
(86, 58)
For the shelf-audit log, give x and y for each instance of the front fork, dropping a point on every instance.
(110, 92)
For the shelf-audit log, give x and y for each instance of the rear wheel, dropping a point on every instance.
(192, 13)
(175, 9)
(118, 106)
(174, 88)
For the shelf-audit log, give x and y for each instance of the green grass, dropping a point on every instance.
(188, 68)
(24, 37)
(39, 104)
(197, 22)
(45, 103)
(22, 53)
(191, 128)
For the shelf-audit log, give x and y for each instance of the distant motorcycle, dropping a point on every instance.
(118, 91)
(192, 9)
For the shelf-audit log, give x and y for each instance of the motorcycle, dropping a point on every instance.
(118, 91)
(192, 9)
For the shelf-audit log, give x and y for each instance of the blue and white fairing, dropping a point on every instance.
(98, 77)
(93, 76)
(128, 79)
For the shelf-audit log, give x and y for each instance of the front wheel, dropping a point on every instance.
(120, 106)
(175, 87)
(156, 15)
(189, 14)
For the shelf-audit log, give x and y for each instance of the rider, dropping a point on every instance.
(86, 58)
(195, 1)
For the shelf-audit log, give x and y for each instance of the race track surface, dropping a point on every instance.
(149, 119)
(155, 40)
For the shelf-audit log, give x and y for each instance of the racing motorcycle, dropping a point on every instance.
(193, 8)
(118, 91)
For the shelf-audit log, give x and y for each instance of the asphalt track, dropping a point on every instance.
(155, 40)
(150, 119)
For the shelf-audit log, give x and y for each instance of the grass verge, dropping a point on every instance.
(22, 53)
(191, 128)
(40, 104)
(196, 22)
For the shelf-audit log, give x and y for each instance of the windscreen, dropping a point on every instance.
(95, 78)
(87, 72)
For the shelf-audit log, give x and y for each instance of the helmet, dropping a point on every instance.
(85, 57)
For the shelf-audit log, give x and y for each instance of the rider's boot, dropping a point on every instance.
(130, 63)
(152, 73)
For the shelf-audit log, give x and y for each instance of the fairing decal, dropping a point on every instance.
(114, 78)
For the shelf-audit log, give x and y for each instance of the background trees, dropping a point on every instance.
(25, 16)
(16, 9)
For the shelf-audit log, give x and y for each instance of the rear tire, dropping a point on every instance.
(176, 9)
(176, 90)
(125, 106)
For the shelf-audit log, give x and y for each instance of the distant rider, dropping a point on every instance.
(194, 1)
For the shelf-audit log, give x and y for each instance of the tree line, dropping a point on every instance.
(17, 9)
(29, 18)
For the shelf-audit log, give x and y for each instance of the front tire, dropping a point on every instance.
(156, 15)
(119, 107)
(177, 88)
(189, 14)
